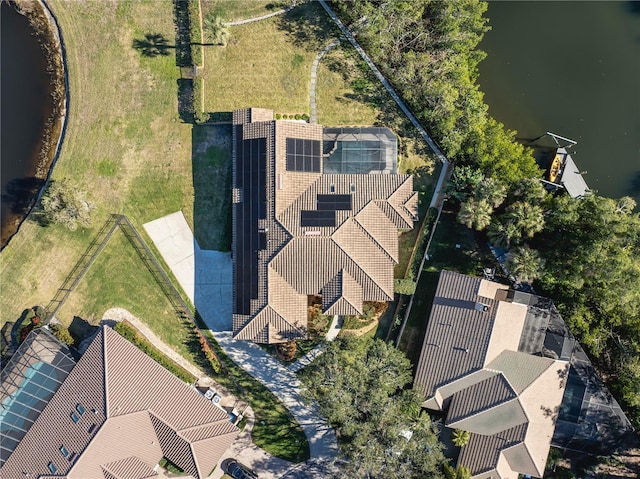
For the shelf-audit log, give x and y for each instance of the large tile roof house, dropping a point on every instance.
(304, 224)
(113, 415)
(477, 363)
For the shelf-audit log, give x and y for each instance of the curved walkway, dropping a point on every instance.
(263, 17)
(314, 74)
(206, 277)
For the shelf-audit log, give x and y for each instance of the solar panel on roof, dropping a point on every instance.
(303, 155)
(334, 202)
(317, 218)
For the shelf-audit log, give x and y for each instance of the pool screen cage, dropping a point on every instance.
(27, 383)
(359, 151)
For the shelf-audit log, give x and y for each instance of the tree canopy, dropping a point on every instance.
(65, 203)
(361, 388)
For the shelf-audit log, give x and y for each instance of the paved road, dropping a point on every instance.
(206, 277)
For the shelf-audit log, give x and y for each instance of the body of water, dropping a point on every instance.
(26, 105)
(572, 68)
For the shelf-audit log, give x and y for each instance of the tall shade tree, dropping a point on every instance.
(65, 203)
(463, 182)
(215, 29)
(525, 264)
(529, 218)
(475, 214)
(360, 386)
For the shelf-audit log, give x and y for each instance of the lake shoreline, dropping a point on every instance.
(49, 37)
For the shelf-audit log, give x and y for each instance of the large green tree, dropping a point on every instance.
(65, 203)
(361, 388)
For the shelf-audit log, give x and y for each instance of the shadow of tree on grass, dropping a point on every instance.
(153, 45)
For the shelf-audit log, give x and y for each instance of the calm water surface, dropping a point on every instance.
(25, 105)
(572, 68)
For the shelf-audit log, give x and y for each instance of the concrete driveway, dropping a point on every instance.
(206, 277)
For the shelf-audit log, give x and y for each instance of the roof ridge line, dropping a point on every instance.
(524, 443)
(503, 402)
(352, 260)
(371, 237)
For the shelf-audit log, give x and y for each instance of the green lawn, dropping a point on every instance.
(211, 152)
(125, 144)
(267, 64)
(275, 430)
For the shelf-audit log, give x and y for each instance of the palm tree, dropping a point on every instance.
(525, 264)
(475, 214)
(491, 190)
(529, 218)
(460, 438)
(215, 28)
(529, 190)
(503, 233)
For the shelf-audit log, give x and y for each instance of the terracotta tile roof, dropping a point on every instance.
(128, 468)
(307, 232)
(116, 410)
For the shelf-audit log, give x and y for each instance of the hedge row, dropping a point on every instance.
(195, 32)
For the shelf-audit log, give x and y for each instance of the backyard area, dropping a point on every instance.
(453, 248)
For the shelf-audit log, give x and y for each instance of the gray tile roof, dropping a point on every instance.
(457, 335)
(130, 407)
(479, 397)
(507, 399)
(348, 257)
(482, 453)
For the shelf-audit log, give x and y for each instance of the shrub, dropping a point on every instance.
(278, 116)
(305, 117)
(298, 116)
(205, 347)
(404, 286)
(287, 351)
(195, 33)
(62, 334)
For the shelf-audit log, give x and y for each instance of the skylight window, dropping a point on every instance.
(63, 451)
(52, 468)
(74, 417)
(80, 408)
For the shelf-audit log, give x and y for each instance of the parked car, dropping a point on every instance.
(239, 471)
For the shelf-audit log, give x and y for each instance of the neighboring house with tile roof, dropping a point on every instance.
(300, 230)
(473, 365)
(114, 416)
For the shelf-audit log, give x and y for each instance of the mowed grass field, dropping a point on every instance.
(267, 64)
(125, 145)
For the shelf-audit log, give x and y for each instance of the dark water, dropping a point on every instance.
(572, 68)
(26, 104)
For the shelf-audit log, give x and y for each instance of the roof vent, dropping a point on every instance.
(458, 348)
(481, 307)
